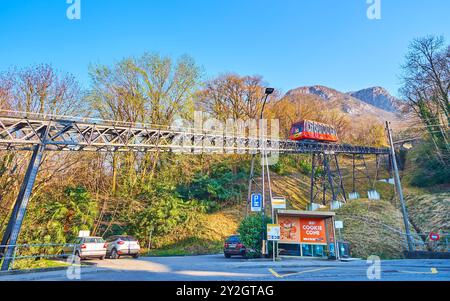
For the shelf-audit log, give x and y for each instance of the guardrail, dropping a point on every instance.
(423, 242)
(38, 251)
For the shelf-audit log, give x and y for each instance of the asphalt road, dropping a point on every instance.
(216, 267)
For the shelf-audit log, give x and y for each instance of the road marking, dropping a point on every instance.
(433, 271)
(275, 273)
(307, 271)
(297, 273)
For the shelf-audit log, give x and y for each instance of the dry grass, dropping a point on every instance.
(429, 212)
(372, 228)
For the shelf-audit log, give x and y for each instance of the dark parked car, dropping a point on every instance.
(233, 246)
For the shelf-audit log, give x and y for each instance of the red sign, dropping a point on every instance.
(312, 230)
(434, 236)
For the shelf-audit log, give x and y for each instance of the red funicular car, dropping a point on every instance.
(311, 130)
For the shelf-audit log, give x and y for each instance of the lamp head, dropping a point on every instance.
(269, 91)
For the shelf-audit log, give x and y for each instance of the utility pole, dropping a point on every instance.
(398, 185)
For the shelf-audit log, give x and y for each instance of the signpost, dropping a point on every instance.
(278, 203)
(273, 232)
(256, 202)
(274, 235)
(339, 225)
(434, 236)
(84, 233)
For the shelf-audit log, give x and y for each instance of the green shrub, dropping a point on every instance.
(289, 164)
(427, 169)
(305, 167)
(251, 230)
(220, 185)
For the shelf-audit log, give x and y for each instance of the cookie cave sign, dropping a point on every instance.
(304, 230)
(312, 230)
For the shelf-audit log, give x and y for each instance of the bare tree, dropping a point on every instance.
(146, 89)
(35, 89)
(232, 96)
(426, 87)
(150, 88)
(41, 89)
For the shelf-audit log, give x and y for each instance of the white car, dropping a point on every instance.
(119, 245)
(89, 247)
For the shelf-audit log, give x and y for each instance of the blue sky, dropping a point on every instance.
(289, 42)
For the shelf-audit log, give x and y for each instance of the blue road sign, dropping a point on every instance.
(256, 202)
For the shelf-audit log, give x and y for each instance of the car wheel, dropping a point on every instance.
(62, 254)
(227, 255)
(114, 254)
(135, 256)
(102, 257)
(77, 254)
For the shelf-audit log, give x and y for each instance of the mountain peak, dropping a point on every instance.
(378, 97)
(375, 101)
(323, 92)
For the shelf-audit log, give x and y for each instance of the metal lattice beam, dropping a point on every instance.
(19, 133)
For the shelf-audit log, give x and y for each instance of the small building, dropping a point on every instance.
(306, 234)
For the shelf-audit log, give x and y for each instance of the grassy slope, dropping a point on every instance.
(429, 208)
(202, 234)
(372, 228)
(429, 212)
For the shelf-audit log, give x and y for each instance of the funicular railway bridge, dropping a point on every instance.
(43, 133)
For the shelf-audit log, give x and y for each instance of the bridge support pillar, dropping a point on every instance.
(12, 231)
(341, 182)
(313, 176)
(328, 182)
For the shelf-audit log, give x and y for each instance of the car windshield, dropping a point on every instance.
(93, 240)
(112, 238)
(233, 239)
(297, 128)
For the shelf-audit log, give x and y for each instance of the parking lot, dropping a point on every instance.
(216, 267)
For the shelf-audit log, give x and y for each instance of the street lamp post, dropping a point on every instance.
(268, 92)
